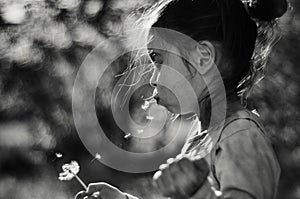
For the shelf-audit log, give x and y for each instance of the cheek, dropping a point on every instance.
(169, 77)
(166, 93)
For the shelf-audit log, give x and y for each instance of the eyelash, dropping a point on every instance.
(152, 55)
(156, 59)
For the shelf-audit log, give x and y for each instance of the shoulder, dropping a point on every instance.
(243, 123)
(244, 138)
(245, 159)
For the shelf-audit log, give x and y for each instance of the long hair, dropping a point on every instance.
(268, 36)
(246, 41)
(247, 30)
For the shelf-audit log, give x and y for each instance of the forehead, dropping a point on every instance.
(171, 42)
(167, 38)
(173, 60)
(158, 43)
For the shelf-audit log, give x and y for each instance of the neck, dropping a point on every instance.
(232, 105)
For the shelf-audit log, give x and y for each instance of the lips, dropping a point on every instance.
(157, 99)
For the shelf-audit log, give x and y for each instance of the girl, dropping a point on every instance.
(241, 162)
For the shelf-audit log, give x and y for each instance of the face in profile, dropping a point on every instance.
(174, 80)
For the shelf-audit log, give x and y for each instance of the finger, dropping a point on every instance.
(179, 157)
(95, 187)
(158, 183)
(157, 175)
(203, 170)
(169, 183)
(180, 180)
(170, 161)
(201, 165)
(163, 166)
(190, 172)
(80, 195)
(161, 183)
(187, 167)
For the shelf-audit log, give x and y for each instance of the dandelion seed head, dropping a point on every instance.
(69, 171)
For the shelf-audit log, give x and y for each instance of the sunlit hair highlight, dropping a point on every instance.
(268, 36)
(140, 62)
(135, 39)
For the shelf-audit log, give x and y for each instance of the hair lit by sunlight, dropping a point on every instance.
(135, 38)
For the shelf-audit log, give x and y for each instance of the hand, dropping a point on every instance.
(101, 190)
(181, 178)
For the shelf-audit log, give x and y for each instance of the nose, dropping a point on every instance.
(154, 77)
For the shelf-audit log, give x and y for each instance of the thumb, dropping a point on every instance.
(95, 187)
(80, 195)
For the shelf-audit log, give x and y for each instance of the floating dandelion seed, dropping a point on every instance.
(70, 171)
(146, 105)
(148, 117)
(97, 157)
(96, 194)
(140, 131)
(127, 136)
(149, 100)
(254, 111)
(58, 155)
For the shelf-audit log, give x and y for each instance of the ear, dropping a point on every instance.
(206, 56)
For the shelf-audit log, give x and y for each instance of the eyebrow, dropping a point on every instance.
(190, 68)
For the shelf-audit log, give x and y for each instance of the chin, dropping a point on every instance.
(177, 110)
(170, 108)
(173, 110)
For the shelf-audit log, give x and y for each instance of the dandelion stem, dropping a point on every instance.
(79, 180)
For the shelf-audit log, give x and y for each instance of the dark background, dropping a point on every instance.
(43, 43)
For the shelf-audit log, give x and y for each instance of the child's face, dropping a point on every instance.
(175, 82)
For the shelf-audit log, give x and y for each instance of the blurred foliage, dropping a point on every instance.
(43, 43)
(277, 100)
